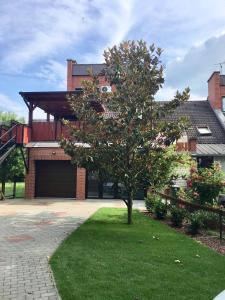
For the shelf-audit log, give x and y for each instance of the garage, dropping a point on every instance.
(55, 179)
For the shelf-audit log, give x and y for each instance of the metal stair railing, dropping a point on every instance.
(7, 146)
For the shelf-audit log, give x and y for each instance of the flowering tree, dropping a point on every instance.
(131, 146)
(205, 184)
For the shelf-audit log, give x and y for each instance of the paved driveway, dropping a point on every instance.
(30, 231)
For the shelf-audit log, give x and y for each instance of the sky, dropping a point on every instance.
(36, 38)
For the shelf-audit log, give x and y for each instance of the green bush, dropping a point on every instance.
(209, 219)
(150, 202)
(177, 215)
(160, 209)
(205, 184)
(195, 222)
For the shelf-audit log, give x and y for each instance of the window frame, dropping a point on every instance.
(201, 131)
(223, 103)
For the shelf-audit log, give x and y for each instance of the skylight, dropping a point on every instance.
(204, 130)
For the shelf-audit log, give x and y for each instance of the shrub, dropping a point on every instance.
(195, 222)
(150, 202)
(160, 209)
(177, 215)
(205, 184)
(209, 219)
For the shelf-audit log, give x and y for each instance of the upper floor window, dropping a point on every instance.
(223, 103)
(204, 130)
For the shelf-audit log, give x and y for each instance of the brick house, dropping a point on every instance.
(49, 171)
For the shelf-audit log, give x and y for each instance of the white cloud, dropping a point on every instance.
(168, 93)
(112, 25)
(36, 30)
(195, 68)
(42, 29)
(9, 105)
(39, 114)
(55, 72)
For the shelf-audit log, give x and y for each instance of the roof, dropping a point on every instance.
(210, 149)
(55, 102)
(83, 69)
(52, 145)
(201, 114)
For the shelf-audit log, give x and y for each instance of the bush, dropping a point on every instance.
(195, 222)
(160, 209)
(150, 202)
(209, 219)
(177, 215)
(205, 184)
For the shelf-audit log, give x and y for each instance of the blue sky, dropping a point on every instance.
(36, 38)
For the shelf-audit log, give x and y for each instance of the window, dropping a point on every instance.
(204, 130)
(205, 161)
(223, 103)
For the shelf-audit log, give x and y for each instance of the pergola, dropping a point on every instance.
(53, 103)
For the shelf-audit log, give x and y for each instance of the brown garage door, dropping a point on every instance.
(55, 179)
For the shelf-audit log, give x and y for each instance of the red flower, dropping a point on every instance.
(189, 183)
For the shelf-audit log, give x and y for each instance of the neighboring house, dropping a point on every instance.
(49, 171)
(208, 123)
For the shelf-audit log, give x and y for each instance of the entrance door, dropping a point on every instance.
(55, 179)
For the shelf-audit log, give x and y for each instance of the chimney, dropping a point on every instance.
(216, 91)
(192, 144)
(70, 63)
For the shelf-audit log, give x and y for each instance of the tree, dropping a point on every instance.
(7, 117)
(132, 145)
(12, 167)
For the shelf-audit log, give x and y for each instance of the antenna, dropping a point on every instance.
(221, 66)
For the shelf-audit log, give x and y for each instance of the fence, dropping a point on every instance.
(194, 207)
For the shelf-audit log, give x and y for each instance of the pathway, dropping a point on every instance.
(30, 231)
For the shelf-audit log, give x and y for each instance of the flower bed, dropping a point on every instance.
(196, 220)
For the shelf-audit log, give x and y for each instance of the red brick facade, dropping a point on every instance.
(75, 81)
(215, 91)
(47, 132)
(51, 154)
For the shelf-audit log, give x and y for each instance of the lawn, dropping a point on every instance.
(19, 189)
(106, 259)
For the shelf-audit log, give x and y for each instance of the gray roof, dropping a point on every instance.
(200, 114)
(82, 69)
(210, 149)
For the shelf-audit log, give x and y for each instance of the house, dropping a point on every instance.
(49, 171)
(207, 123)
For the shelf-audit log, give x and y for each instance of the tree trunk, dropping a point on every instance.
(14, 189)
(3, 187)
(129, 208)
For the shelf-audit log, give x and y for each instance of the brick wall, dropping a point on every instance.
(75, 81)
(81, 184)
(51, 154)
(215, 91)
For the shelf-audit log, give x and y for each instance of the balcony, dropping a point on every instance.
(46, 131)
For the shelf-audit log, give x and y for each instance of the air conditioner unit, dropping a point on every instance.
(106, 89)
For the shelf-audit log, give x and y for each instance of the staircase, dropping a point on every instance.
(10, 137)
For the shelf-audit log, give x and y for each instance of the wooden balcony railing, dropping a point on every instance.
(50, 131)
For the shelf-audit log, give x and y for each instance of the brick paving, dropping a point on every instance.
(30, 231)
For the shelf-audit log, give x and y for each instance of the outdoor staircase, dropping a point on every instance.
(10, 137)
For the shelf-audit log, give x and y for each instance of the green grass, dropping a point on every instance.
(19, 189)
(106, 259)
